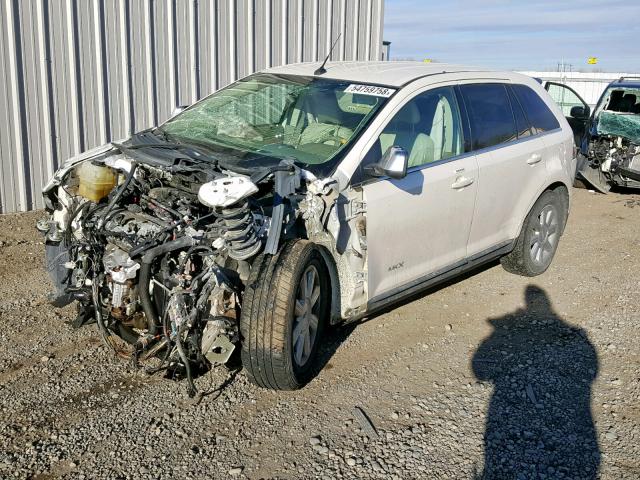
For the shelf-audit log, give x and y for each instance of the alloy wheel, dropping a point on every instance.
(545, 236)
(306, 316)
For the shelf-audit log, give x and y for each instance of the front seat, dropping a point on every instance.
(326, 123)
(442, 132)
(404, 131)
(628, 103)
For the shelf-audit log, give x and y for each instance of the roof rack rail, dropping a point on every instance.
(629, 77)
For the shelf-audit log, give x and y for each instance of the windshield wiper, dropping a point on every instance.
(191, 152)
(170, 146)
(193, 157)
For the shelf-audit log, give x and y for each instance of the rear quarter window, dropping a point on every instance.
(490, 114)
(540, 116)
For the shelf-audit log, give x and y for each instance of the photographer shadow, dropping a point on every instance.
(539, 422)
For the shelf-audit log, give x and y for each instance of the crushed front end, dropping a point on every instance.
(611, 151)
(161, 237)
(156, 251)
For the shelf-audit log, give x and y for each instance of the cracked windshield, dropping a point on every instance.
(303, 118)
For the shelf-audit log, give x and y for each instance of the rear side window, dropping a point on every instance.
(490, 114)
(522, 124)
(541, 118)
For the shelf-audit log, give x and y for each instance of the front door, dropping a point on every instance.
(420, 224)
(567, 98)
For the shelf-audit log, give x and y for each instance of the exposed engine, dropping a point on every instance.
(617, 158)
(158, 256)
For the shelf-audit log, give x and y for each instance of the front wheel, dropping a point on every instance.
(538, 241)
(284, 312)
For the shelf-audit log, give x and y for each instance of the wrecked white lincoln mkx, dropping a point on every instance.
(168, 239)
(299, 197)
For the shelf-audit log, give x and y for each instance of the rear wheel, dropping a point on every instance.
(284, 312)
(538, 241)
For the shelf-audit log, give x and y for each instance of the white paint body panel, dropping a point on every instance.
(395, 74)
(418, 224)
(506, 186)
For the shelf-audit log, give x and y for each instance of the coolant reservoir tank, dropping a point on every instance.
(96, 181)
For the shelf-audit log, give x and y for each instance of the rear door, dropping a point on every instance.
(511, 164)
(567, 98)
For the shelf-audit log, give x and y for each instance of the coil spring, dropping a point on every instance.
(239, 230)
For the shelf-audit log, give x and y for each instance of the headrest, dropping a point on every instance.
(409, 114)
(323, 105)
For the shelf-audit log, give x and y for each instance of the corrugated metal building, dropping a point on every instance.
(75, 74)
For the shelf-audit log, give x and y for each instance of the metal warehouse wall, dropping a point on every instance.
(75, 74)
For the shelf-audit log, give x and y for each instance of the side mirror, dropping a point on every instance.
(392, 164)
(581, 113)
(178, 110)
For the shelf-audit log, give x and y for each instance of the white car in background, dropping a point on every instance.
(303, 196)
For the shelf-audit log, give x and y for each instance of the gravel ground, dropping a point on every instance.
(493, 376)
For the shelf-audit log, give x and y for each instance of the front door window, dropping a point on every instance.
(428, 127)
(565, 97)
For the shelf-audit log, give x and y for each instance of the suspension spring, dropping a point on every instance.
(240, 230)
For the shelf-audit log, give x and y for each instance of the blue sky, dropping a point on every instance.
(517, 35)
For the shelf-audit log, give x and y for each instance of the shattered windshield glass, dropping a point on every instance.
(619, 113)
(620, 124)
(282, 116)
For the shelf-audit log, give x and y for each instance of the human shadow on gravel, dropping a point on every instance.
(539, 422)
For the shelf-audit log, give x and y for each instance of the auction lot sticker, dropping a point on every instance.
(370, 90)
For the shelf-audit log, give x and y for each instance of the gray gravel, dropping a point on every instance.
(487, 378)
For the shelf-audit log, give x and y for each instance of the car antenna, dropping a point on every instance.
(322, 70)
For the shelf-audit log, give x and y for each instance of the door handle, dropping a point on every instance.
(461, 182)
(535, 158)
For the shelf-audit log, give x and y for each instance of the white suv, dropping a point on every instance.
(300, 197)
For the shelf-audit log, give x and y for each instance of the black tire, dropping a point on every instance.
(521, 260)
(267, 320)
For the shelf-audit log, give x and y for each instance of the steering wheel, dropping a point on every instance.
(237, 127)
